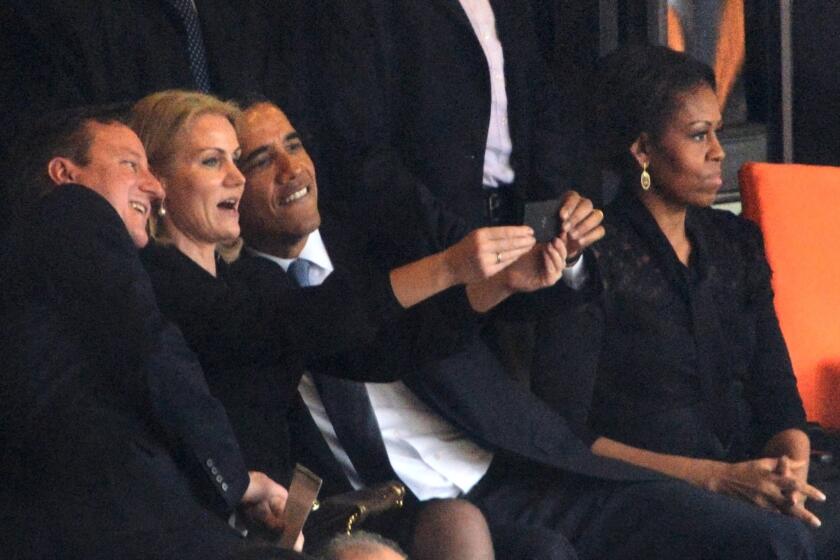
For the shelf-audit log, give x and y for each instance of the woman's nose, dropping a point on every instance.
(235, 178)
(716, 151)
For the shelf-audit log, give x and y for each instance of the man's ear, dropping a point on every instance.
(62, 170)
(640, 149)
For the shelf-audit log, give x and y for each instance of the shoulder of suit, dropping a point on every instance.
(76, 212)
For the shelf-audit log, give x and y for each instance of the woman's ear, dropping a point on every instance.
(62, 170)
(640, 149)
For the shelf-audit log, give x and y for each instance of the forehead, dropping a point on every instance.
(209, 126)
(111, 138)
(262, 124)
(698, 104)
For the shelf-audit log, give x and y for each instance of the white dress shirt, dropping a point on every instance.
(497, 167)
(314, 251)
(432, 457)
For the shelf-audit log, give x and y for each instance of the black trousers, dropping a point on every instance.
(666, 519)
(521, 541)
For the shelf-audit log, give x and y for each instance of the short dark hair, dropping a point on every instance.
(63, 133)
(252, 99)
(637, 89)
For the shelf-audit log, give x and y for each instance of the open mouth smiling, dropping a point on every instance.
(297, 195)
(139, 207)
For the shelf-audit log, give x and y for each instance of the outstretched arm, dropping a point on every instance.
(480, 255)
(541, 267)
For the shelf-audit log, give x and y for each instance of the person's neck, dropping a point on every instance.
(670, 217)
(281, 247)
(202, 253)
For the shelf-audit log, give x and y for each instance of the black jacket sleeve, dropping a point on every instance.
(255, 314)
(143, 363)
(771, 387)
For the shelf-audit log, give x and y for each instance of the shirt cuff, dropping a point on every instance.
(576, 276)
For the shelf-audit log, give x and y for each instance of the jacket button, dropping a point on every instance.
(209, 462)
(224, 486)
(219, 478)
(214, 470)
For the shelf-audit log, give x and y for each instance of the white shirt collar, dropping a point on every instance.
(314, 251)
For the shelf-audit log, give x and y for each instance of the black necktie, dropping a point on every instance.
(348, 406)
(195, 43)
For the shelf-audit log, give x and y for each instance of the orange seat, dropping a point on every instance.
(797, 208)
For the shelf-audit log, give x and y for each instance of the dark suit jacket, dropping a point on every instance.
(406, 94)
(107, 421)
(466, 384)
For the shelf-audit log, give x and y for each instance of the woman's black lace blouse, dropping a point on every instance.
(691, 358)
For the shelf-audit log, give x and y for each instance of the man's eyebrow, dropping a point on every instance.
(292, 136)
(253, 155)
(134, 153)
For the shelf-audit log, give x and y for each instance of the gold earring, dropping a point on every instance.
(645, 178)
(161, 210)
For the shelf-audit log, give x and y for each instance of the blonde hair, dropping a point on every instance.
(159, 119)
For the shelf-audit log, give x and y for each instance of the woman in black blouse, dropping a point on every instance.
(261, 337)
(693, 376)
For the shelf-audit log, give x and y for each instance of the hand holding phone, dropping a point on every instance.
(580, 227)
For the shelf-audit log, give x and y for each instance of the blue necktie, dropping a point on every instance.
(348, 406)
(299, 271)
(195, 43)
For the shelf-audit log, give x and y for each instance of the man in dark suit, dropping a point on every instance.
(111, 442)
(458, 426)
(437, 114)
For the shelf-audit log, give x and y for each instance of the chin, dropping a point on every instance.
(230, 236)
(140, 239)
(706, 200)
(314, 221)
